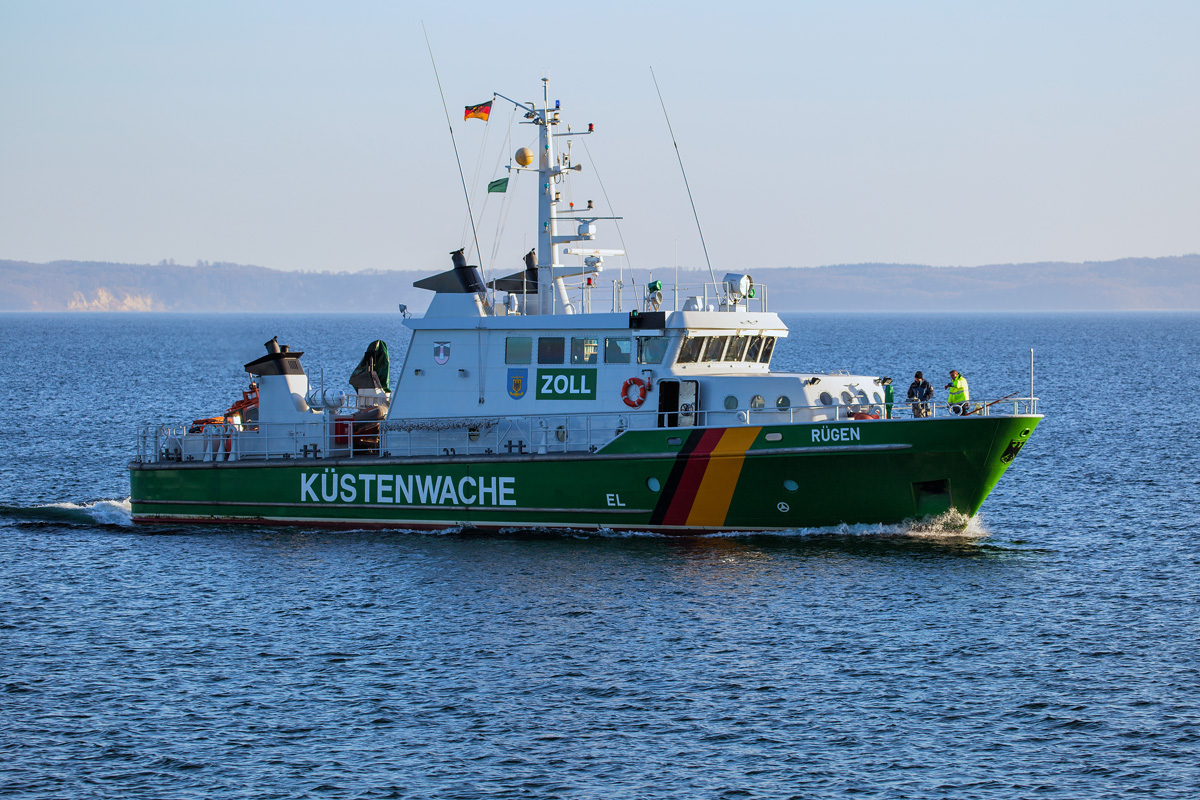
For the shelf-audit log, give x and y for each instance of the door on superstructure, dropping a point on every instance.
(678, 403)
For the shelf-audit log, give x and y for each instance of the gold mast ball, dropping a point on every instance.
(524, 156)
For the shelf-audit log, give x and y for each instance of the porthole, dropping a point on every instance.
(757, 402)
(791, 485)
(847, 398)
(826, 399)
(731, 402)
(653, 485)
(878, 399)
(783, 402)
(473, 434)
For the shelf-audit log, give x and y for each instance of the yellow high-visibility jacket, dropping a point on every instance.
(959, 392)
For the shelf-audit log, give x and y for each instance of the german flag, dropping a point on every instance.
(480, 111)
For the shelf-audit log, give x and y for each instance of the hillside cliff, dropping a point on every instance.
(1171, 283)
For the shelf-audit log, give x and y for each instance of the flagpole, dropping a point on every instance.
(529, 107)
(461, 176)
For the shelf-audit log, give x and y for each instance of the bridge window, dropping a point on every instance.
(715, 348)
(737, 348)
(585, 351)
(652, 349)
(518, 350)
(693, 346)
(768, 348)
(617, 351)
(550, 350)
(754, 349)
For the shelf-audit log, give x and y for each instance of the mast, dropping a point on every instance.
(552, 170)
(547, 221)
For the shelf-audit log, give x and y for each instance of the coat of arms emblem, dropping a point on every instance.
(1011, 451)
(441, 352)
(517, 380)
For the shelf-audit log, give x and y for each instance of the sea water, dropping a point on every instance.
(1047, 650)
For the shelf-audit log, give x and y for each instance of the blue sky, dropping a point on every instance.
(311, 136)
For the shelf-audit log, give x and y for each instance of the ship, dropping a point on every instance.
(553, 399)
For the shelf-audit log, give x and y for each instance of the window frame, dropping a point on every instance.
(666, 348)
(549, 358)
(730, 348)
(768, 350)
(508, 356)
(708, 357)
(618, 339)
(754, 348)
(694, 358)
(582, 343)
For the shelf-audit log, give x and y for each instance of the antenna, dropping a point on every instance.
(616, 223)
(461, 177)
(685, 180)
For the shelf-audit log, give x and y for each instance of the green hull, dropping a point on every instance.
(671, 480)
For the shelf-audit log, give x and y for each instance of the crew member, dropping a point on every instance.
(920, 392)
(960, 393)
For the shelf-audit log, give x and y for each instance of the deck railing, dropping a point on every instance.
(326, 436)
(621, 296)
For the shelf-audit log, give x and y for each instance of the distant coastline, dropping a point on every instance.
(1132, 284)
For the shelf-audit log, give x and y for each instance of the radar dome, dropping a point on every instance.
(524, 156)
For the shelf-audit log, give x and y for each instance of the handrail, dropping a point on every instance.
(325, 436)
(634, 296)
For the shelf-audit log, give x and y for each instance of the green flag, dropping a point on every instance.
(499, 185)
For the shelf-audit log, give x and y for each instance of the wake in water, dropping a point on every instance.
(101, 512)
(950, 525)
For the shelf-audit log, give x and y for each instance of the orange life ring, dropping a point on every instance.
(641, 395)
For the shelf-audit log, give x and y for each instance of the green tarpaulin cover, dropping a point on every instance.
(376, 358)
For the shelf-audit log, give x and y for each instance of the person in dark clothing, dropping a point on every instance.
(920, 392)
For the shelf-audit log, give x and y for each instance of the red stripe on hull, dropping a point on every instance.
(693, 474)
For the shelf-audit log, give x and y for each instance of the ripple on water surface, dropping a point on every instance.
(1046, 649)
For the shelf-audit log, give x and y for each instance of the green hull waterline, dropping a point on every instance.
(670, 480)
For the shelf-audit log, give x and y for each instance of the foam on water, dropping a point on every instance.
(949, 525)
(101, 512)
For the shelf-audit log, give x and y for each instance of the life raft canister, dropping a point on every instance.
(639, 398)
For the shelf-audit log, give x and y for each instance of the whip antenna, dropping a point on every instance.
(685, 180)
(466, 194)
